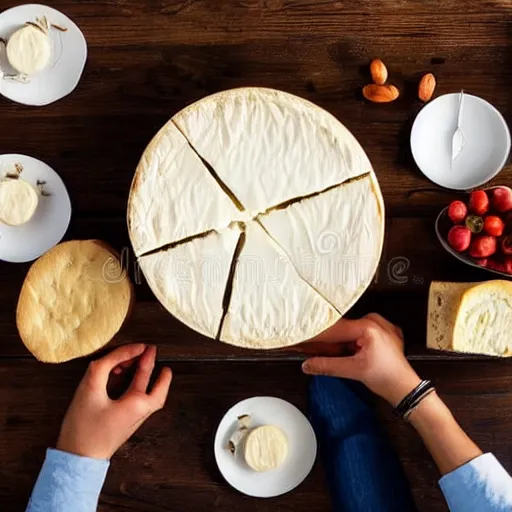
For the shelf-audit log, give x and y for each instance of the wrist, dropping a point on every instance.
(429, 411)
(75, 449)
(401, 387)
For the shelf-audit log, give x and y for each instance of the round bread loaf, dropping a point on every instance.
(74, 300)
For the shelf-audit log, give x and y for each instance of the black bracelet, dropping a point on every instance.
(411, 401)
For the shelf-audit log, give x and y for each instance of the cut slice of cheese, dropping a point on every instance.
(190, 279)
(443, 303)
(333, 239)
(271, 305)
(269, 147)
(471, 318)
(173, 195)
(73, 301)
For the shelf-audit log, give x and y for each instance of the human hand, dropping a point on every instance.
(379, 361)
(95, 425)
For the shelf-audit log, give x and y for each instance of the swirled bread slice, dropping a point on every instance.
(471, 318)
(483, 324)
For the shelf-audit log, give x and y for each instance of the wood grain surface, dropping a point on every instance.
(168, 464)
(147, 60)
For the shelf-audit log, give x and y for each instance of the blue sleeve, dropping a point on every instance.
(481, 485)
(68, 483)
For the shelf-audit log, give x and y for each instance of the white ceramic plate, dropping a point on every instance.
(487, 142)
(266, 410)
(62, 74)
(50, 221)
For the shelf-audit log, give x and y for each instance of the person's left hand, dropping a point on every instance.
(95, 425)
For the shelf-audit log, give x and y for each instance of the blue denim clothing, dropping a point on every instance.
(363, 473)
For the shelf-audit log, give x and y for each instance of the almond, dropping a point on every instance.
(426, 87)
(380, 93)
(378, 71)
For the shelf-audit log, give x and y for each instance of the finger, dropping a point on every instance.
(342, 331)
(100, 369)
(381, 322)
(346, 367)
(145, 367)
(158, 394)
(386, 324)
(123, 366)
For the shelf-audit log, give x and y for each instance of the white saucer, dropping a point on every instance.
(50, 221)
(487, 141)
(266, 410)
(62, 74)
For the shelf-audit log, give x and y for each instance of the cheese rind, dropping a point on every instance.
(269, 146)
(73, 301)
(173, 196)
(29, 50)
(190, 279)
(271, 306)
(334, 239)
(18, 201)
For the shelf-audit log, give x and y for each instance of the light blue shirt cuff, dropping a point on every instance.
(68, 483)
(481, 485)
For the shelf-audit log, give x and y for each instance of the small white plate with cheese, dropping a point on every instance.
(269, 422)
(42, 54)
(28, 230)
(483, 148)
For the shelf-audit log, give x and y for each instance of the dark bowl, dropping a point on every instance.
(443, 225)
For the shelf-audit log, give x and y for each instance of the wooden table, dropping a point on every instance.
(147, 60)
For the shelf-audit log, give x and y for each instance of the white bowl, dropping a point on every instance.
(484, 154)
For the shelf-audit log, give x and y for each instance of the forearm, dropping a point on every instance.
(448, 444)
(68, 483)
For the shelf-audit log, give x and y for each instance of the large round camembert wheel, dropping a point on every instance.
(256, 218)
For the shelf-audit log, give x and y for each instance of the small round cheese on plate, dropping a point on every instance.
(29, 49)
(40, 65)
(293, 456)
(18, 201)
(266, 448)
(48, 224)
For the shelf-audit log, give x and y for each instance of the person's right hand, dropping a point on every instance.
(379, 361)
(95, 425)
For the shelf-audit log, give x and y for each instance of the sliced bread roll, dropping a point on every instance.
(74, 300)
(471, 317)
